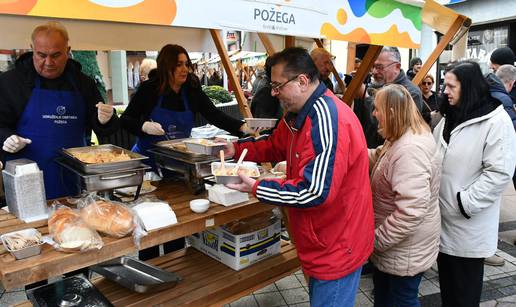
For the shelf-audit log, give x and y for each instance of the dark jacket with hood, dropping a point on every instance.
(16, 87)
(498, 92)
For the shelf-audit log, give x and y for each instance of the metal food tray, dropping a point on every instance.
(108, 180)
(210, 149)
(185, 155)
(99, 168)
(136, 275)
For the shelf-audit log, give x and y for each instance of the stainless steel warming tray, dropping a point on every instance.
(107, 180)
(177, 148)
(136, 275)
(99, 168)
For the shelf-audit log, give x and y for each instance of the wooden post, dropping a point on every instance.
(333, 69)
(352, 54)
(269, 48)
(232, 78)
(290, 41)
(445, 40)
(367, 62)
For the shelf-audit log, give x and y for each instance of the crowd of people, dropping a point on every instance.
(407, 178)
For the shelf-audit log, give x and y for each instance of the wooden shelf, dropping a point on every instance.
(206, 282)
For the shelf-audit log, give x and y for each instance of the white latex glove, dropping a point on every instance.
(246, 130)
(15, 143)
(153, 128)
(105, 112)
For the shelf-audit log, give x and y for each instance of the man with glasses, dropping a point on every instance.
(326, 190)
(386, 70)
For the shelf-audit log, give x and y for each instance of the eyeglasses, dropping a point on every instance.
(276, 87)
(427, 83)
(382, 67)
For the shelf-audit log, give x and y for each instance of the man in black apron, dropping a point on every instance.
(47, 103)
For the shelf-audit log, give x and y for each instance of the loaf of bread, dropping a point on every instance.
(70, 232)
(109, 218)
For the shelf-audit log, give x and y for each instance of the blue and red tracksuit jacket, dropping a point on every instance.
(327, 188)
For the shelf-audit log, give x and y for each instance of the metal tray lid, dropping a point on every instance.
(136, 275)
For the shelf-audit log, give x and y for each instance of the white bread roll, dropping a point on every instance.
(111, 219)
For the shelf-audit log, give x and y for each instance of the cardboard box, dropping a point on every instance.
(238, 251)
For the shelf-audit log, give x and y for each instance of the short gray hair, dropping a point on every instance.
(506, 73)
(394, 53)
(50, 27)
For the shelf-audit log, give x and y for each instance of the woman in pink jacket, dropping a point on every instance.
(405, 185)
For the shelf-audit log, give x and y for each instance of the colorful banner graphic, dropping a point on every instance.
(382, 22)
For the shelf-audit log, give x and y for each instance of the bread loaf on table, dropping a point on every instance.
(70, 232)
(109, 218)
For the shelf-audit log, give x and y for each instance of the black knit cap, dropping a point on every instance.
(502, 56)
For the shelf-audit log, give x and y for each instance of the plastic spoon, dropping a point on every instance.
(234, 171)
(222, 169)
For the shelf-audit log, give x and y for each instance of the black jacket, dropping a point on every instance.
(498, 91)
(264, 105)
(16, 88)
(146, 98)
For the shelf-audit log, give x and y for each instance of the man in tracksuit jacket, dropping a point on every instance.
(327, 189)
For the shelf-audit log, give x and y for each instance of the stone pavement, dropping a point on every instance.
(499, 282)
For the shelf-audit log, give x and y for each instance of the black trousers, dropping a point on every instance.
(460, 280)
(168, 247)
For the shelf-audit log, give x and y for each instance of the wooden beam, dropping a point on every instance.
(445, 40)
(367, 62)
(290, 41)
(269, 48)
(352, 54)
(333, 69)
(232, 78)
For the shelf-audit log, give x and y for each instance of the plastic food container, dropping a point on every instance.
(207, 148)
(199, 205)
(225, 179)
(254, 123)
(227, 137)
(26, 252)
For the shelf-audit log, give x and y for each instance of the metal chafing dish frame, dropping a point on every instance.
(109, 180)
(193, 166)
(102, 168)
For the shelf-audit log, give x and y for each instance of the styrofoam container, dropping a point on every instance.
(24, 252)
(254, 123)
(227, 137)
(225, 196)
(233, 178)
(210, 149)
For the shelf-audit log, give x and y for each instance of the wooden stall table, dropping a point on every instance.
(205, 281)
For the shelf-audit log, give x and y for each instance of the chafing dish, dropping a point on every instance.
(136, 275)
(100, 168)
(108, 180)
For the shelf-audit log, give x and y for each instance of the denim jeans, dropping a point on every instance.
(333, 293)
(392, 290)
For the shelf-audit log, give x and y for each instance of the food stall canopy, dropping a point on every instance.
(380, 22)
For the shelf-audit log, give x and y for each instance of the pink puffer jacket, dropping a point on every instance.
(405, 185)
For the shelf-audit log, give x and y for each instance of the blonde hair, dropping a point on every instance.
(400, 112)
(146, 66)
(50, 27)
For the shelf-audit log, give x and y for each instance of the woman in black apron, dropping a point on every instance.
(167, 104)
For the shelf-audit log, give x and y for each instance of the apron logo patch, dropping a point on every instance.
(61, 110)
(60, 118)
